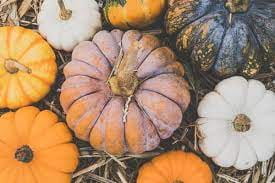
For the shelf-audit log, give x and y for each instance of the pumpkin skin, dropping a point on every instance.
(35, 147)
(27, 67)
(175, 167)
(237, 123)
(126, 14)
(65, 23)
(95, 109)
(225, 40)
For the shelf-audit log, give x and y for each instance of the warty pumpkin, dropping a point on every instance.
(175, 167)
(237, 123)
(35, 148)
(123, 92)
(27, 67)
(126, 14)
(65, 23)
(224, 36)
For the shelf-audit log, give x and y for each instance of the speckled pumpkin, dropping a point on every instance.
(35, 148)
(225, 36)
(124, 98)
(175, 167)
(27, 67)
(126, 14)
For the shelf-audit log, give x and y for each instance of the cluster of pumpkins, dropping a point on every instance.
(124, 91)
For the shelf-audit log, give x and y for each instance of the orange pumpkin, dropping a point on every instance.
(35, 148)
(126, 14)
(175, 167)
(124, 98)
(27, 67)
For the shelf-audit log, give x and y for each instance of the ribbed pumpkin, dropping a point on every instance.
(225, 36)
(126, 14)
(27, 67)
(124, 99)
(35, 148)
(175, 167)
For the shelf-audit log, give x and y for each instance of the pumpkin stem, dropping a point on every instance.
(124, 82)
(13, 67)
(237, 6)
(241, 123)
(65, 14)
(24, 154)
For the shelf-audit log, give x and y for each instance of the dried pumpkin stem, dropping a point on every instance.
(125, 81)
(65, 14)
(241, 123)
(237, 6)
(13, 67)
(24, 154)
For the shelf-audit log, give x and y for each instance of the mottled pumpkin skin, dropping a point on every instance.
(31, 50)
(175, 167)
(95, 114)
(217, 41)
(53, 158)
(126, 14)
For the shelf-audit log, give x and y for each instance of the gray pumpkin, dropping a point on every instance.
(228, 36)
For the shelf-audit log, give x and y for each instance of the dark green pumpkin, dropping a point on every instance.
(226, 36)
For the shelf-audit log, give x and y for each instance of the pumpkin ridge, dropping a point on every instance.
(5, 97)
(8, 38)
(32, 44)
(153, 91)
(183, 26)
(159, 171)
(250, 145)
(31, 171)
(48, 167)
(41, 79)
(220, 46)
(83, 75)
(156, 75)
(91, 127)
(81, 96)
(110, 63)
(254, 35)
(146, 115)
(201, 42)
(90, 65)
(21, 34)
(23, 90)
(30, 64)
(44, 162)
(146, 57)
(33, 88)
(207, 17)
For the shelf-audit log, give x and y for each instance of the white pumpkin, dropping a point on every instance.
(237, 123)
(65, 23)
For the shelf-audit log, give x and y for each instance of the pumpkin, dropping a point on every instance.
(27, 67)
(123, 92)
(35, 148)
(237, 123)
(175, 167)
(126, 14)
(224, 36)
(65, 23)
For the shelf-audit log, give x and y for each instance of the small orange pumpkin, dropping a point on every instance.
(123, 92)
(35, 148)
(27, 67)
(175, 167)
(126, 14)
